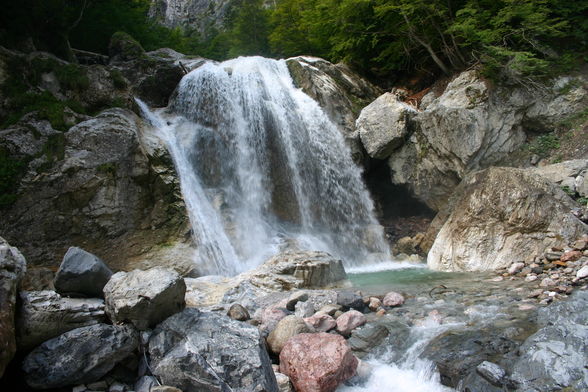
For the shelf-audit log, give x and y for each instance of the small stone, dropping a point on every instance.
(535, 293)
(582, 272)
(284, 384)
(98, 386)
(526, 307)
(496, 279)
(537, 270)
(350, 320)
(580, 244)
(238, 312)
(330, 309)
(350, 300)
(78, 388)
(393, 299)
(552, 256)
(165, 388)
(374, 304)
(571, 255)
(516, 268)
(288, 327)
(381, 312)
(294, 298)
(337, 314)
(320, 322)
(547, 282)
(117, 387)
(531, 278)
(304, 309)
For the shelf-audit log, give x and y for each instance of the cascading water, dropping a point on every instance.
(262, 167)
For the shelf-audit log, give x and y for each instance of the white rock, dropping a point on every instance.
(582, 272)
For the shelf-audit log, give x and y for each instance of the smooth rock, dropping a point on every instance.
(547, 282)
(392, 299)
(350, 320)
(571, 255)
(79, 356)
(294, 298)
(208, 352)
(12, 269)
(304, 309)
(286, 328)
(238, 312)
(330, 309)
(582, 272)
(144, 298)
(515, 268)
(44, 315)
(492, 212)
(81, 274)
(165, 388)
(317, 362)
(374, 304)
(320, 322)
(363, 339)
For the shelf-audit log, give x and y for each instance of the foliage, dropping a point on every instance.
(543, 144)
(10, 172)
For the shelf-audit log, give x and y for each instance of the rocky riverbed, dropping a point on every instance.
(299, 323)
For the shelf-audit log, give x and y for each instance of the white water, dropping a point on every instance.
(262, 168)
(409, 373)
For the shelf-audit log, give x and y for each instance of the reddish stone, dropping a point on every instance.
(393, 299)
(317, 362)
(320, 322)
(571, 255)
(350, 320)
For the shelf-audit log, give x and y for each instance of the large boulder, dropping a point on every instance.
(144, 298)
(286, 328)
(106, 184)
(81, 273)
(12, 269)
(44, 315)
(198, 352)
(338, 90)
(471, 126)
(500, 216)
(554, 358)
(79, 356)
(317, 362)
(383, 125)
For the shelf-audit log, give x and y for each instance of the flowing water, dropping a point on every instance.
(262, 168)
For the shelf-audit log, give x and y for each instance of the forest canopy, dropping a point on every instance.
(380, 38)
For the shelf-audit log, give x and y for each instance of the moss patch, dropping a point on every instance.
(11, 170)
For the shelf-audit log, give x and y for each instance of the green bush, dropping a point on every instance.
(544, 144)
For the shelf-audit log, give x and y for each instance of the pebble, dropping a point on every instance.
(78, 388)
(531, 278)
(526, 307)
(547, 282)
(582, 272)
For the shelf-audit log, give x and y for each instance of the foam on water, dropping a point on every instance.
(389, 265)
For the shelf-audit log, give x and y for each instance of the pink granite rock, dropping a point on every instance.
(350, 320)
(320, 322)
(318, 362)
(393, 299)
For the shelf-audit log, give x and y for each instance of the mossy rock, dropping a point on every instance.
(124, 47)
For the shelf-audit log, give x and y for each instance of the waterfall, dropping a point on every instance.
(262, 168)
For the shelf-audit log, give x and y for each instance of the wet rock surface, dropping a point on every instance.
(197, 351)
(79, 356)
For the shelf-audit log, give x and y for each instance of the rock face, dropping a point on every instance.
(554, 358)
(44, 315)
(317, 362)
(572, 175)
(12, 269)
(79, 356)
(199, 15)
(144, 298)
(286, 328)
(383, 125)
(199, 352)
(81, 273)
(472, 126)
(499, 216)
(338, 90)
(105, 184)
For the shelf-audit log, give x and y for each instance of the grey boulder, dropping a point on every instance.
(12, 269)
(79, 356)
(144, 298)
(45, 314)
(202, 352)
(81, 273)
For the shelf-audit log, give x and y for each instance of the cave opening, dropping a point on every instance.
(396, 208)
